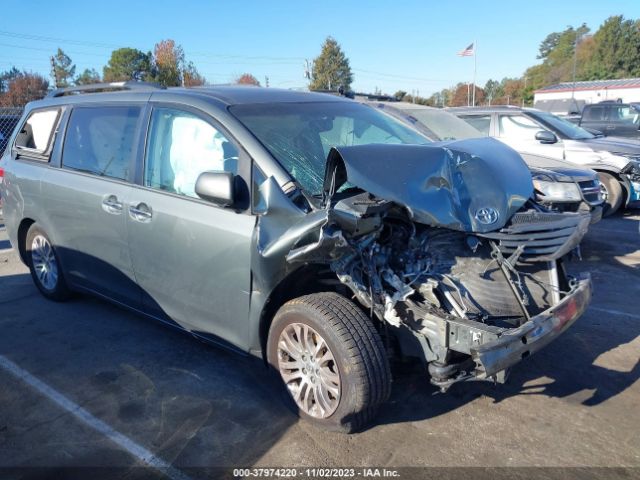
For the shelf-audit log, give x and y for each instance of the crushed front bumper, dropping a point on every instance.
(515, 344)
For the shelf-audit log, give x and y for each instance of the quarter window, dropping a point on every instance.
(180, 147)
(100, 140)
(37, 132)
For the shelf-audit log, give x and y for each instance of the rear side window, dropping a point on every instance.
(100, 140)
(479, 122)
(624, 114)
(36, 134)
(594, 113)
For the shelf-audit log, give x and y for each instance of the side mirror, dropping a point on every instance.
(545, 136)
(216, 187)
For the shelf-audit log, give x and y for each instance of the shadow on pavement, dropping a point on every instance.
(191, 404)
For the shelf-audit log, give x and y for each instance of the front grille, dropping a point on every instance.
(590, 191)
(545, 236)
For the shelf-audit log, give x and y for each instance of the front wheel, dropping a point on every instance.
(44, 265)
(331, 360)
(611, 192)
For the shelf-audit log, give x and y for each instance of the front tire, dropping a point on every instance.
(612, 191)
(331, 359)
(44, 265)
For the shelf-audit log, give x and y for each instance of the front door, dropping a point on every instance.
(190, 257)
(519, 132)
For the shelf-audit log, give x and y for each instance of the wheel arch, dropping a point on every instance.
(311, 278)
(23, 228)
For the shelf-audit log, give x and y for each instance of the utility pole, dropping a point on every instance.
(524, 90)
(266, 81)
(307, 71)
(475, 65)
(53, 72)
(575, 62)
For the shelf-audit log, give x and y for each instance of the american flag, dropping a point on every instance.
(467, 52)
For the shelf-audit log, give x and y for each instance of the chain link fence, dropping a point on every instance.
(9, 117)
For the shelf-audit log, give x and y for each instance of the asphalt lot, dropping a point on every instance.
(196, 407)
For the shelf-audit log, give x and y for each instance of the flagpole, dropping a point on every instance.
(475, 56)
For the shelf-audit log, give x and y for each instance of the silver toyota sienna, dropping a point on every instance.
(306, 229)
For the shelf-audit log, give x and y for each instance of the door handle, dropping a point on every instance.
(140, 212)
(610, 127)
(111, 204)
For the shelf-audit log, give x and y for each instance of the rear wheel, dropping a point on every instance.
(331, 360)
(611, 192)
(44, 265)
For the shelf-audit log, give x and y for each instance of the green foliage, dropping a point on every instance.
(616, 50)
(129, 64)
(169, 62)
(63, 69)
(399, 95)
(331, 68)
(192, 77)
(87, 77)
(7, 76)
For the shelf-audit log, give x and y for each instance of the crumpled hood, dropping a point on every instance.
(460, 185)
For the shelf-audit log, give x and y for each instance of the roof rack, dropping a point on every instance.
(104, 87)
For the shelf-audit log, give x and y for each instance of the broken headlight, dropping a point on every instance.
(632, 169)
(557, 191)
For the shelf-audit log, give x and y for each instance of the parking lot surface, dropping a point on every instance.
(87, 384)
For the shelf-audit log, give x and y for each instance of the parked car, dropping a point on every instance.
(559, 185)
(308, 230)
(528, 130)
(611, 118)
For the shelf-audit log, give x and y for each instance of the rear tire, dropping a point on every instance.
(612, 190)
(44, 265)
(331, 357)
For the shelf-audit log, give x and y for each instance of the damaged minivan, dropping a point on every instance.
(311, 231)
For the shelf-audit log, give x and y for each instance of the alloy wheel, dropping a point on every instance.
(309, 370)
(44, 262)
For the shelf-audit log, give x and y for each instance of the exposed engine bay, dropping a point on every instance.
(408, 274)
(451, 289)
(470, 284)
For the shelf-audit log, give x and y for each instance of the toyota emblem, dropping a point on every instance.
(487, 215)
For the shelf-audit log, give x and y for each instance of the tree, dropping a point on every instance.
(63, 69)
(24, 88)
(247, 79)
(463, 94)
(615, 50)
(399, 95)
(493, 90)
(331, 68)
(129, 64)
(169, 60)
(548, 44)
(192, 77)
(7, 76)
(87, 77)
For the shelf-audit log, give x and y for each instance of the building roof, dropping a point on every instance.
(592, 85)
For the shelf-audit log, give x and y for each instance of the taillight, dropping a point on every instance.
(1, 173)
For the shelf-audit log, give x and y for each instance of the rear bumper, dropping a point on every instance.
(515, 344)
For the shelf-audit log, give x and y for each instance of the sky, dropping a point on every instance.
(401, 45)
